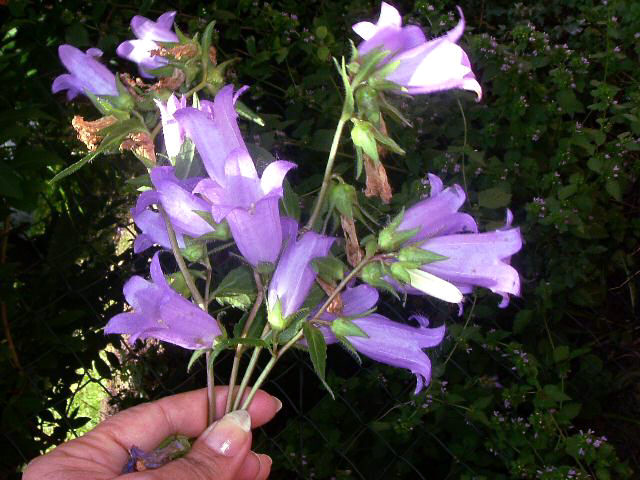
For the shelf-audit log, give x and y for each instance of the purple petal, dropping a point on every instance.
(160, 31)
(67, 82)
(478, 259)
(394, 40)
(359, 299)
(257, 232)
(273, 176)
(88, 73)
(225, 118)
(211, 145)
(294, 275)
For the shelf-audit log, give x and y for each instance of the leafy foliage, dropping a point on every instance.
(526, 392)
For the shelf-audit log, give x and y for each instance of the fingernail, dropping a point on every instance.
(278, 404)
(228, 434)
(266, 459)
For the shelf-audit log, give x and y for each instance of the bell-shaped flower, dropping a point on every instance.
(148, 33)
(172, 132)
(294, 275)
(421, 66)
(179, 203)
(387, 342)
(235, 192)
(472, 259)
(162, 313)
(86, 74)
(214, 130)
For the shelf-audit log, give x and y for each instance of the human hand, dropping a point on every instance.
(222, 452)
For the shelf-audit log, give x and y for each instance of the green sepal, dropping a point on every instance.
(124, 100)
(373, 274)
(348, 346)
(343, 197)
(186, 163)
(275, 317)
(205, 42)
(295, 322)
(387, 141)
(194, 252)
(140, 181)
(290, 202)
(165, 71)
(379, 78)
(318, 352)
(265, 268)
(370, 244)
(359, 162)
(343, 327)
(349, 103)
(399, 272)
(354, 53)
(195, 356)
(363, 137)
(105, 107)
(419, 256)
(248, 114)
(367, 101)
(390, 241)
(328, 268)
(178, 283)
(182, 38)
(368, 64)
(393, 111)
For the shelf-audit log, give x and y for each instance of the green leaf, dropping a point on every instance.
(494, 198)
(74, 167)
(613, 189)
(560, 353)
(10, 182)
(195, 356)
(343, 196)
(569, 411)
(343, 327)
(253, 342)
(566, 191)
(317, 352)
(295, 322)
(329, 268)
(555, 393)
(237, 288)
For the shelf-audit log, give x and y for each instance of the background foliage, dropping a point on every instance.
(544, 389)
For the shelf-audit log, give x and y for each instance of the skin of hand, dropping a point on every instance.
(221, 452)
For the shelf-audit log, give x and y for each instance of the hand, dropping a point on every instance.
(222, 452)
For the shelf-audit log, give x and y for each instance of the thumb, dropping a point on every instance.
(218, 454)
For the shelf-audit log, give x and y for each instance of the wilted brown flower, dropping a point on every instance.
(336, 304)
(352, 247)
(88, 132)
(377, 181)
(141, 144)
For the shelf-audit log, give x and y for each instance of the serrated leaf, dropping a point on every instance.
(318, 352)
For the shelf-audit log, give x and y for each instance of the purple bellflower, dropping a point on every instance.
(86, 74)
(160, 312)
(473, 259)
(235, 192)
(422, 66)
(388, 342)
(179, 203)
(148, 33)
(294, 275)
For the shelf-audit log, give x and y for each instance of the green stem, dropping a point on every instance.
(249, 371)
(211, 398)
(178, 256)
(265, 373)
(327, 173)
(245, 330)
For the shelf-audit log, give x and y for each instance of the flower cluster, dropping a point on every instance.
(431, 248)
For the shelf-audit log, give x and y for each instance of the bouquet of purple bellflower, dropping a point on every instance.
(298, 286)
